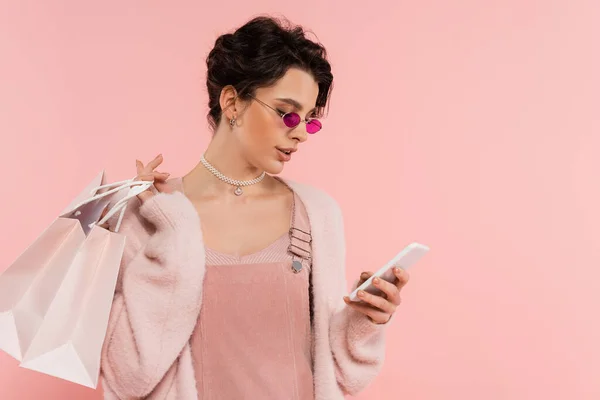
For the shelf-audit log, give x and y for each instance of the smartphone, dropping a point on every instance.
(405, 259)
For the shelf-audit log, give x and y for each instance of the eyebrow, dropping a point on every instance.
(294, 103)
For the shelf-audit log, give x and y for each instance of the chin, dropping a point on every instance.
(273, 167)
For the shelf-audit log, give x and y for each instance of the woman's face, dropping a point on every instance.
(261, 130)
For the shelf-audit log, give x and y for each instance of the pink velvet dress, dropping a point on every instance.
(253, 336)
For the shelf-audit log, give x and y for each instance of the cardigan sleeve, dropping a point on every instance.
(156, 308)
(357, 344)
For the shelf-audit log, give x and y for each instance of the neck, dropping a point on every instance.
(225, 154)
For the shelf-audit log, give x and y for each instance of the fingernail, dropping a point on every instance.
(376, 281)
(396, 270)
(361, 293)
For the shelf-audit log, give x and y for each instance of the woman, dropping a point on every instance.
(233, 282)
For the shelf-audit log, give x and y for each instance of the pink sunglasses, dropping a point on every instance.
(292, 120)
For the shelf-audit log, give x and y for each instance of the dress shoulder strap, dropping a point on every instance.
(300, 232)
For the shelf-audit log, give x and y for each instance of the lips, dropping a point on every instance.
(286, 150)
(285, 154)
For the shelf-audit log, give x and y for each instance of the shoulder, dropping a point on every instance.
(311, 194)
(316, 200)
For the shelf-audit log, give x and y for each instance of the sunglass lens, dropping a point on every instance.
(291, 120)
(313, 126)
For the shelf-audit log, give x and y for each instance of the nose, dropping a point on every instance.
(299, 133)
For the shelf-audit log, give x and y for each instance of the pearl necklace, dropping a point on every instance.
(238, 184)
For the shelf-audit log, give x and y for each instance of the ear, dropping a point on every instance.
(227, 101)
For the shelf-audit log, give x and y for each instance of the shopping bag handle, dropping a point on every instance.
(135, 188)
(117, 186)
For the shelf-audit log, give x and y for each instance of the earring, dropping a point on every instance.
(232, 122)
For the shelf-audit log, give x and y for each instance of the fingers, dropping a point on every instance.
(380, 307)
(363, 277)
(145, 177)
(152, 165)
(377, 301)
(148, 173)
(376, 315)
(140, 167)
(161, 176)
(402, 276)
(391, 291)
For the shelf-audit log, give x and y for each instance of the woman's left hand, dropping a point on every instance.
(380, 308)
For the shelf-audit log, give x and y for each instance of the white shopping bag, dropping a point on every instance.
(64, 272)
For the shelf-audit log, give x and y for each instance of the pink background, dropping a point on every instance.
(471, 126)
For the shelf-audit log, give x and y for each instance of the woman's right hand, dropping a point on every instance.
(148, 173)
